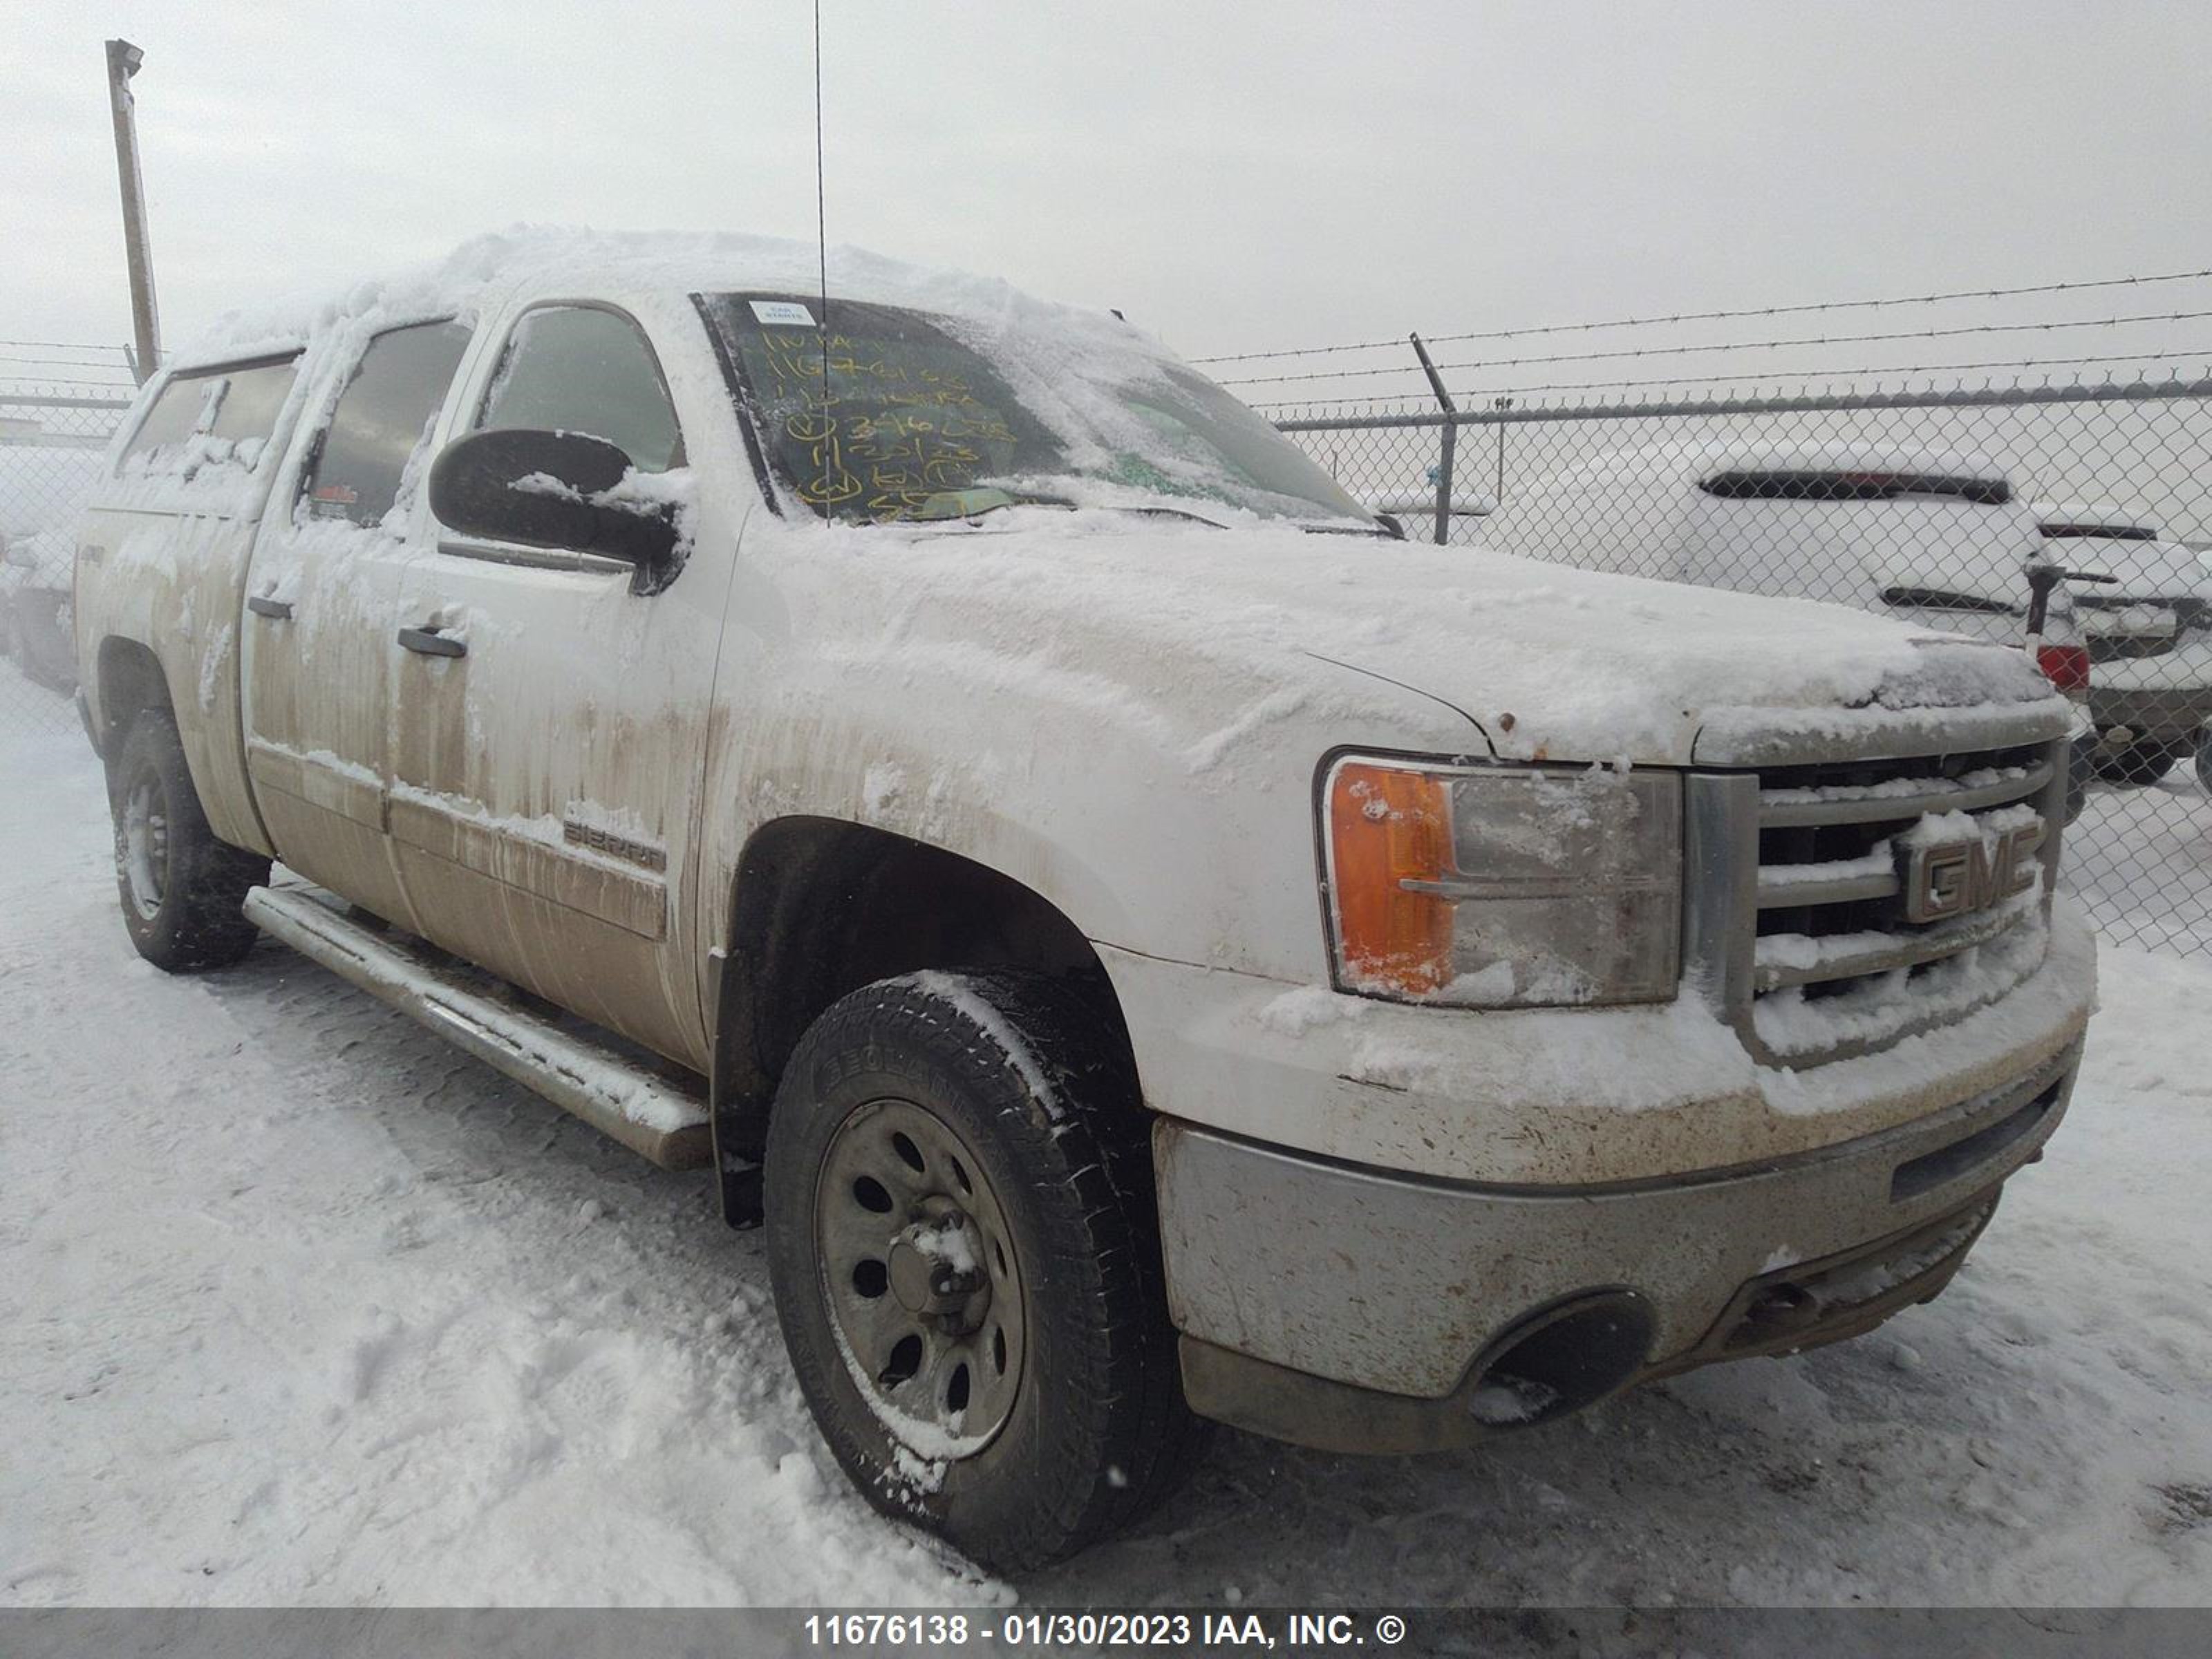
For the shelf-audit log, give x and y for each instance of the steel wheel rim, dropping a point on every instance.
(903, 1214)
(146, 846)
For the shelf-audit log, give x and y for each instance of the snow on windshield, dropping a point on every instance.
(878, 413)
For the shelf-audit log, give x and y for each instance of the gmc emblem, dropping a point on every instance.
(1957, 877)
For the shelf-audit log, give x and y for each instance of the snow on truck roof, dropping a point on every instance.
(486, 269)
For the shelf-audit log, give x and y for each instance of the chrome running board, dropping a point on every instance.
(649, 1113)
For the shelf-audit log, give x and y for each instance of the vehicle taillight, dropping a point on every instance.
(2066, 666)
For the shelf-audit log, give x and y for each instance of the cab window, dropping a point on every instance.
(382, 417)
(251, 400)
(580, 368)
(172, 419)
(238, 405)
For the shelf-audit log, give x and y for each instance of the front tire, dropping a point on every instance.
(182, 890)
(965, 1255)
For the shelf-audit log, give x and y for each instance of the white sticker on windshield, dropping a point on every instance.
(783, 311)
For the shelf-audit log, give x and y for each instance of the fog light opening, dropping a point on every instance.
(1562, 1359)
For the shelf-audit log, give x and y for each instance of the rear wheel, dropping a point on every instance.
(2204, 763)
(962, 1235)
(182, 890)
(2140, 763)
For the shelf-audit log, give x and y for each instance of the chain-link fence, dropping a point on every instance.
(1915, 504)
(51, 435)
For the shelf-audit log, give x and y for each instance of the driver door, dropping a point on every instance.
(549, 722)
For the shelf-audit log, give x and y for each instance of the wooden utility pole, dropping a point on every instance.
(122, 62)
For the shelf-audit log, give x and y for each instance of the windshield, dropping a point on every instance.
(918, 417)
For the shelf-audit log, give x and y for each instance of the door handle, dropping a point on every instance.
(429, 642)
(262, 606)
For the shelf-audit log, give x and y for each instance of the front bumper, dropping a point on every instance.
(1555, 1097)
(1357, 1309)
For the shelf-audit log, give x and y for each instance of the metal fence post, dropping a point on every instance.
(1501, 405)
(1446, 446)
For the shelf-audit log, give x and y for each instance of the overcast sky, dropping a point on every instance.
(1233, 176)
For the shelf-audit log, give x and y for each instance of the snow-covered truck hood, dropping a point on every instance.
(1544, 661)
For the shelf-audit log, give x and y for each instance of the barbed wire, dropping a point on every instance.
(1715, 316)
(91, 396)
(1777, 375)
(65, 381)
(70, 371)
(62, 345)
(1727, 345)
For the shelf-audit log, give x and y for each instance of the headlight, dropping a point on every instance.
(1504, 887)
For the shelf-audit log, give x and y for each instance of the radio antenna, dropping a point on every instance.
(821, 220)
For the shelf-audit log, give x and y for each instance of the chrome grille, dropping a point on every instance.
(1799, 918)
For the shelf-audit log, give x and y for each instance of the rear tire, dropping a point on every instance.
(182, 890)
(2141, 763)
(964, 1248)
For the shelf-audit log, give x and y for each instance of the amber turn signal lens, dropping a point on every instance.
(1386, 827)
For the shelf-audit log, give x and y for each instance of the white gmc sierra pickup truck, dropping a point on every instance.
(1152, 945)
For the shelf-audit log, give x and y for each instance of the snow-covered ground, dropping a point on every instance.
(2142, 859)
(301, 1307)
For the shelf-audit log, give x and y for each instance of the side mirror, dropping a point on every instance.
(550, 489)
(18, 555)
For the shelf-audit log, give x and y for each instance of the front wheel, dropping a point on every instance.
(182, 888)
(965, 1255)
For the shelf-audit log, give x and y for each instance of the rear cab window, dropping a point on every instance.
(382, 419)
(252, 397)
(206, 422)
(172, 417)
